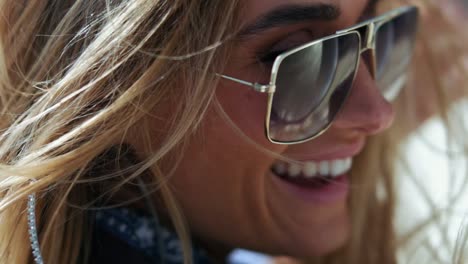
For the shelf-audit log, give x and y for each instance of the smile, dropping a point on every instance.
(312, 169)
(320, 182)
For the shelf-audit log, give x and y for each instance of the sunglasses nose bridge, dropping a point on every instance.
(369, 58)
(367, 50)
(367, 34)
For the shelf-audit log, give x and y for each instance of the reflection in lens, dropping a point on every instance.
(394, 48)
(384, 42)
(311, 67)
(311, 87)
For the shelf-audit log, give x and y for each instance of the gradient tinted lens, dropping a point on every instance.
(394, 48)
(311, 86)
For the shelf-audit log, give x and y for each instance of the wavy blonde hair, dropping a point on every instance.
(78, 77)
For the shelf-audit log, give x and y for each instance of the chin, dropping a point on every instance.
(320, 241)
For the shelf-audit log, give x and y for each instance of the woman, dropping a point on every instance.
(140, 127)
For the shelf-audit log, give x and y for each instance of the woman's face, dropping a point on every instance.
(229, 191)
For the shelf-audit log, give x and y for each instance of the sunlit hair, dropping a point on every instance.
(79, 78)
(76, 78)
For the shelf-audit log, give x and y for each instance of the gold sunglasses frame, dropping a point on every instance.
(371, 27)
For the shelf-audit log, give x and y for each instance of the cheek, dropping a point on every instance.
(246, 108)
(235, 144)
(220, 172)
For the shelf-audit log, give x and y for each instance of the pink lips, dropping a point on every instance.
(335, 190)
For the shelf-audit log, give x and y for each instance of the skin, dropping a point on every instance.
(225, 186)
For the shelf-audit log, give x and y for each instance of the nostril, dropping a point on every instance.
(380, 119)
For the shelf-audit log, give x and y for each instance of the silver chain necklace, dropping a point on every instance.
(36, 250)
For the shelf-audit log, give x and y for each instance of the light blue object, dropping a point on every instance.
(241, 256)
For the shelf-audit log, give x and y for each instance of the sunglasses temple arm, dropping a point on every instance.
(262, 88)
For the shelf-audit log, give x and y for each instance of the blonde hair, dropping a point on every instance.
(77, 77)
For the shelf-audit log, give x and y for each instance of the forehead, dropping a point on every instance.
(255, 8)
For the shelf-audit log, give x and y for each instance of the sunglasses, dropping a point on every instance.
(309, 84)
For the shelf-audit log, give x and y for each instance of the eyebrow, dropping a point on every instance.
(291, 14)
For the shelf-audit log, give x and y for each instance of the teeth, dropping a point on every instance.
(348, 163)
(337, 167)
(324, 168)
(280, 168)
(310, 169)
(294, 170)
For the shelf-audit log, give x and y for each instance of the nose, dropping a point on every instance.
(365, 110)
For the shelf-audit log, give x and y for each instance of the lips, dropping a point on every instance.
(320, 188)
(319, 170)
